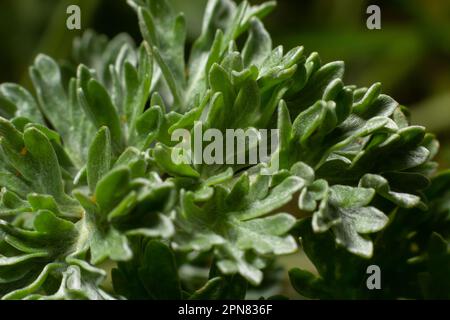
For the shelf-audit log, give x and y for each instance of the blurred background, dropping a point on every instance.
(410, 55)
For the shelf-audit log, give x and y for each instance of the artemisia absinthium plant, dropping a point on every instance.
(89, 187)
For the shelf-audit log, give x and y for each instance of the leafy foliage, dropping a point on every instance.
(88, 178)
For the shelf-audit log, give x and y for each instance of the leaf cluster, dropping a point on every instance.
(88, 182)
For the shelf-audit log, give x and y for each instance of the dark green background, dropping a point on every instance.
(410, 55)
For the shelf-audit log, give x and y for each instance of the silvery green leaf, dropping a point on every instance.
(24, 103)
(253, 231)
(46, 76)
(99, 157)
(258, 44)
(381, 185)
(348, 215)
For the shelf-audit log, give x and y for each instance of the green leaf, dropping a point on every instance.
(348, 197)
(137, 88)
(159, 272)
(347, 214)
(307, 284)
(210, 291)
(148, 126)
(24, 103)
(308, 121)
(53, 227)
(166, 33)
(317, 85)
(104, 241)
(34, 286)
(47, 178)
(279, 196)
(112, 188)
(381, 185)
(258, 44)
(98, 105)
(46, 76)
(110, 245)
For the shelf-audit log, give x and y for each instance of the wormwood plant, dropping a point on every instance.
(89, 187)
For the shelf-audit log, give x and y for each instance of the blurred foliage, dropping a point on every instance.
(410, 55)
